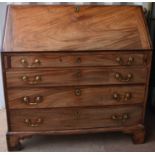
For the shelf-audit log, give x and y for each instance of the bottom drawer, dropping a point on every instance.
(74, 118)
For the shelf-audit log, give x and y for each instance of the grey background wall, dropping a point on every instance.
(2, 19)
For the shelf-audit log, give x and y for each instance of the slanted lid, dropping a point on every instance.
(72, 28)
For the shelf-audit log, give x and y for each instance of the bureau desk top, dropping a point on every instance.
(37, 28)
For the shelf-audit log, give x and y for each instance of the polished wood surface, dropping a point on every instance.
(73, 70)
(57, 28)
(74, 118)
(78, 59)
(76, 76)
(75, 96)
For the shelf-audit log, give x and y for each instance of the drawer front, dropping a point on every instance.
(74, 118)
(76, 76)
(74, 96)
(67, 60)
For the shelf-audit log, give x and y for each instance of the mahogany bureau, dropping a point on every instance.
(75, 70)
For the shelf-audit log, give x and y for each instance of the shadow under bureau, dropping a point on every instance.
(75, 70)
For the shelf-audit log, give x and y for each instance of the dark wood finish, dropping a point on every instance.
(13, 142)
(88, 70)
(75, 96)
(139, 136)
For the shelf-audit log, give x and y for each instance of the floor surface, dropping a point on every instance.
(103, 142)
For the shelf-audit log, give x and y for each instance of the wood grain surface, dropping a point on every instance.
(78, 59)
(68, 97)
(75, 69)
(76, 77)
(59, 28)
(74, 118)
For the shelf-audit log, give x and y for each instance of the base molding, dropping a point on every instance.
(13, 138)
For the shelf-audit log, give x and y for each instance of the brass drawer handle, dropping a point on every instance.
(116, 96)
(119, 77)
(33, 123)
(129, 62)
(77, 9)
(77, 92)
(125, 97)
(25, 63)
(122, 117)
(37, 99)
(24, 78)
(119, 60)
(36, 61)
(36, 79)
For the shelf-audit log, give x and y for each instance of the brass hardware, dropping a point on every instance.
(114, 117)
(120, 117)
(37, 61)
(130, 60)
(78, 60)
(120, 61)
(34, 123)
(25, 63)
(119, 77)
(25, 99)
(24, 78)
(116, 96)
(125, 116)
(125, 97)
(129, 75)
(77, 9)
(77, 92)
(35, 80)
(37, 100)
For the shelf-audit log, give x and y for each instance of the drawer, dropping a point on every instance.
(84, 59)
(74, 118)
(74, 96)
(76, 76)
